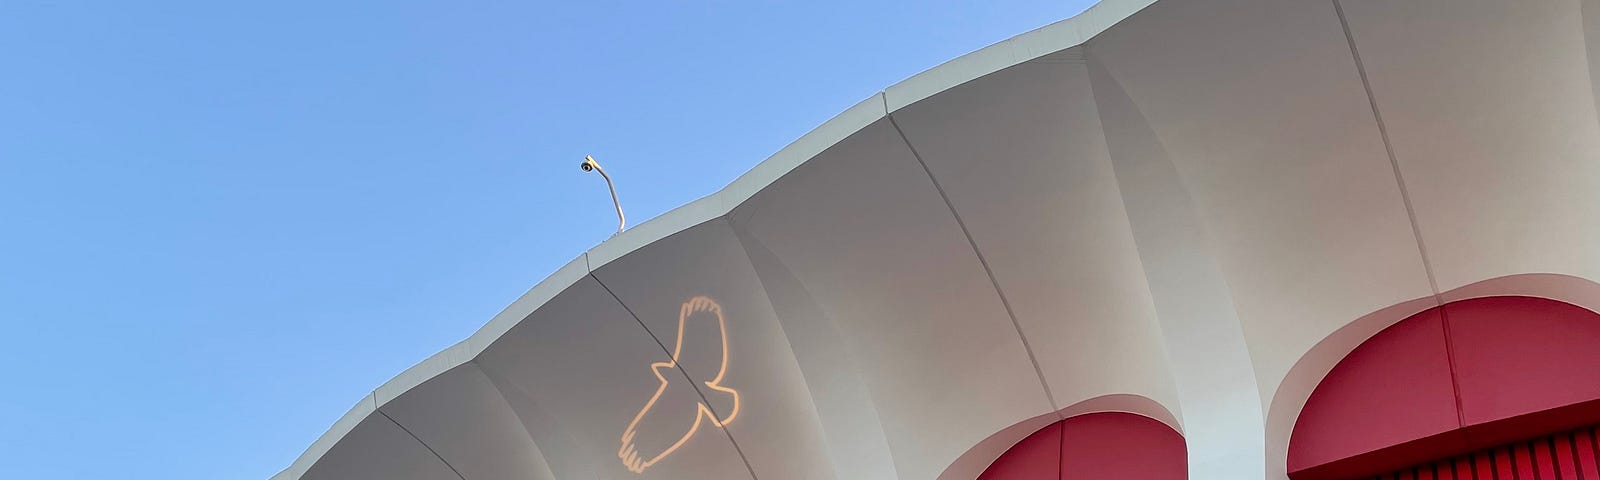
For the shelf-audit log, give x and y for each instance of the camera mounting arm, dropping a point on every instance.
(588, 165)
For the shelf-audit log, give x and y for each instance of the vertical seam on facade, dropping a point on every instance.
(1405, 198)
(424, 445)
(1584, 13)
(1388, 147)
(1027, 348)
(1450, 357)
(679, 367)
(1061, 449)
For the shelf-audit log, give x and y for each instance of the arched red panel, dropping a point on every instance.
(1518, 355)
(1037, 457)
(1393, 389)
(1467, 375)
(1096, 446)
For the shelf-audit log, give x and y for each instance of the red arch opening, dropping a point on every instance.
(1095, 446)
(1465, 376)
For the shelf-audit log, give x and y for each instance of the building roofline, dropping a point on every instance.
(1027, 46)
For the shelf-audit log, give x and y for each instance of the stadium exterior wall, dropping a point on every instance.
(1189, 210)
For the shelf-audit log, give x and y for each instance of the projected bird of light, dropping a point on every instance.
(660, 429)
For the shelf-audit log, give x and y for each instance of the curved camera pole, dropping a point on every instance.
(588, 165)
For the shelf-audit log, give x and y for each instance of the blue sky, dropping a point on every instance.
(222, 223)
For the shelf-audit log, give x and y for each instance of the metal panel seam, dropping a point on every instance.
(1405, 197)
(1388, 148)
(1055, 408)
(424, 445)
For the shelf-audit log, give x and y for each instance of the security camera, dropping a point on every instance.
(589, 165)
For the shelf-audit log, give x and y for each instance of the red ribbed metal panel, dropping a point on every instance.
(1569, 455)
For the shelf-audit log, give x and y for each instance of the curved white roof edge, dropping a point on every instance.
(1027, 46)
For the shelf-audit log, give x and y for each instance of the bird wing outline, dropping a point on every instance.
(629, 452)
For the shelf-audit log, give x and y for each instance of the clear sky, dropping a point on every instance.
(223, 223)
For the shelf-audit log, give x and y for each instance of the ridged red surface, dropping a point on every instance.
(1095, 446)
(1567, 455)
(1468, 375)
